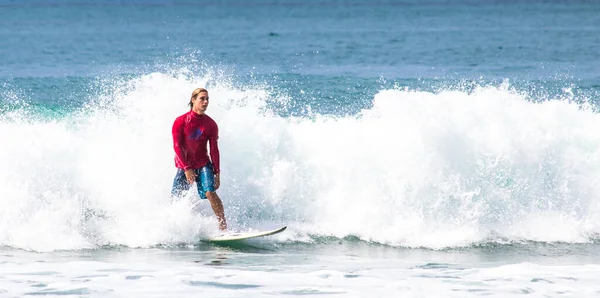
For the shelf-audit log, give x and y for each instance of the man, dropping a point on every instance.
(191, 133)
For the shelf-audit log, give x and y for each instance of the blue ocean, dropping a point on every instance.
(434, 148)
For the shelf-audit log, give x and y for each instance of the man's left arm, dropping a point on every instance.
(214, 155)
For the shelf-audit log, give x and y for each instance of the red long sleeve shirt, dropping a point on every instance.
(191, 132)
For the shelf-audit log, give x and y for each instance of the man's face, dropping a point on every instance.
(201, 102)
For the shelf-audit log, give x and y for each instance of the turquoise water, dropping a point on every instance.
(413, 148)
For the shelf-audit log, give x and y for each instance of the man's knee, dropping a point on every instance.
(211, 195)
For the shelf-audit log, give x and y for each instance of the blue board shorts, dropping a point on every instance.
(205, 181)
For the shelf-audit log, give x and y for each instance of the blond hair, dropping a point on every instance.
(195, 94)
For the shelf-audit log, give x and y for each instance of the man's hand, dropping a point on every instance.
(190, 175)
(217, 181)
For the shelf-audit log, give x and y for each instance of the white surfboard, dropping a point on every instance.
(245, 235)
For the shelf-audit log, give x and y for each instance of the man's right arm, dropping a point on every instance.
(178, 142)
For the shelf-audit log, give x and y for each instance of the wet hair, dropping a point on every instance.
(195, 94)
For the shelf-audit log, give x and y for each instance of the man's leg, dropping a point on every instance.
(217, 207)
(180, 184)
(206, 190)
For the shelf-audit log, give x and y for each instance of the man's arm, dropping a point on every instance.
(214, 155)
(214, 151)
(178, 143)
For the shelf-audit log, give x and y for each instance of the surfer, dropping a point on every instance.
(191, 133)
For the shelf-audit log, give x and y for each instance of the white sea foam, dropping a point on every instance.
(417, 169)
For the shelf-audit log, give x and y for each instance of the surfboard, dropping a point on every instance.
(245, 235)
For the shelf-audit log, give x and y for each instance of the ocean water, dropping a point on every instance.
(436, 148)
